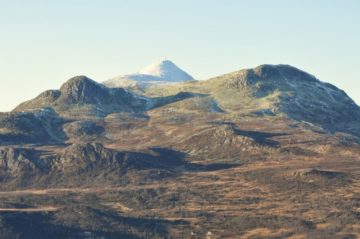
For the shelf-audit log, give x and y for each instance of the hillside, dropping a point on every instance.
(269, 152)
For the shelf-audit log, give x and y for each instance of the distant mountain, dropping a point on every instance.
(160, 72)
(81, 95)
(69, 113)
(179, 160)
(276, 90)
(267, 90)
(284, 89)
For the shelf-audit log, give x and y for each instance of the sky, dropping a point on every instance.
(43, 43)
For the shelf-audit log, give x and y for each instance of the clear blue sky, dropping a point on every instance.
(45, 42)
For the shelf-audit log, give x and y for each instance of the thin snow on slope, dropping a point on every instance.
(166, 70)
(160, 72)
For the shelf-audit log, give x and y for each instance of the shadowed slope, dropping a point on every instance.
(81, 94)
(277, 90)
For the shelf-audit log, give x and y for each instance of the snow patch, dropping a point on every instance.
(161, 72)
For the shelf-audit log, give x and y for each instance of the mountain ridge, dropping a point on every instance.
(192, 159)
(82, 93)
(272, 89)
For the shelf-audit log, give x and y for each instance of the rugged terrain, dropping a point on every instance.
(269, 152)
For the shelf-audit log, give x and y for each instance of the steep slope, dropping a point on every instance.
(83, 96)
(166, 70)
(300, 96)
(277, 90)
(160, 72)
(74, 112)
(84, 164)
(37, 126)
(269, 152)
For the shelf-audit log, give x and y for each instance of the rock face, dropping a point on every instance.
(38, 126)
(305, 98)
(79, 158)
(76, 163)
(72, 112)
(21, 167)
(87, 130)
(15, 161)
(265, 91)
(99, 162)
(313, 172)
(83, 94)
(82, 164)
(160, 72)
(77, 113)
(300, 96)
(82, 90)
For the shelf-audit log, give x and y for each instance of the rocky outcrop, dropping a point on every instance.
(86, 130)
(83, 164)
(16, 161)
(298, 95)
(81, 94)
(86, 157)
(38, 126)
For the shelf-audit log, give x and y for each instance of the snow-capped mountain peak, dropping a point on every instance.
(166, 70)
(160, 72)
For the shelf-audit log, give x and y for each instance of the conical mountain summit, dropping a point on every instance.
(160, 72)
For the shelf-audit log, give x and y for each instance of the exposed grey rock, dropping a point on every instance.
(38, 126)
(83, 130)
(81, 95)
(302, 97)
(15, 161)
